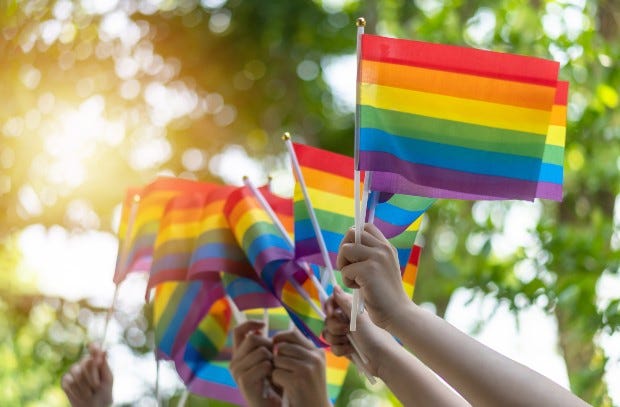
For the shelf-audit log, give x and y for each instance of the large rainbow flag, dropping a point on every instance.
(329, 180)
(153, 200)
(459, 122)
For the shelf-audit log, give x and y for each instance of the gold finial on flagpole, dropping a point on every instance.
(286, 136)
(136, 198)
(245, 177)
(361, 22)
(269, 178)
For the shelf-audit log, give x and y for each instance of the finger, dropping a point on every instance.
(105, 373)
(351, 273)
(241, 331)
(251, 342)
(288, 364)
(336, 326)
(91, 373)
(95, 350)
(335, 339)
(292, 350)
(354, 253)
(80, 385)
(68, 383)
(255, 357)
(293, 336)
(342, 350)
(256, 373)
(329, 307)
(370, 236)
(348, 238)
(343, 300)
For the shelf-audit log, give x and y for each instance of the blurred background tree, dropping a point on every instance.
(100, 95)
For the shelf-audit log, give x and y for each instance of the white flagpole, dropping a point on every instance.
(359, 221)
(276, 221)
(123, 253)
(315, 223)
(183, 398)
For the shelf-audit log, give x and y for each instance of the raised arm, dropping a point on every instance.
(410, 380)
(481, 375)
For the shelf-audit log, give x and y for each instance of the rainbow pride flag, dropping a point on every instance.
(178, 230)
(457, 121)
(256, 234)
(178, 308)
(329, 180)
(196, 352)
(215, 248)
(248, 293)
(272, 257)
(153, 200)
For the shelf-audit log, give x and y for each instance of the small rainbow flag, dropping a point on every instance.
(272, 256)
(215, 248)
(128, 215)
(329, 180)
(457, 121)
(153, 200)
(254, 231)
(195, 356)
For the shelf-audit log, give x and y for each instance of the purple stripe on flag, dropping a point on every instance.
(256, 300)
(451, 184)
(207, 389)
(200, 307)
(308, 250)
(389, 230)
(203, 267)
(271, 254)
(163, 276)
(398, 184)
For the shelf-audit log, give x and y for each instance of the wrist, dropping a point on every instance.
(404, 315)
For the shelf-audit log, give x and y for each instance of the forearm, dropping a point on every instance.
(481, 375)
(413, 383)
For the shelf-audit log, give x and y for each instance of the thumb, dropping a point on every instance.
(343, 300)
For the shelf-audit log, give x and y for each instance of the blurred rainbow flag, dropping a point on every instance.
(136, 253)
(195, 350)
(458, 122)
(179, 228)
(215, 248)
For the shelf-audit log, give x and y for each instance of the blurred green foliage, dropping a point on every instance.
(246, 70)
